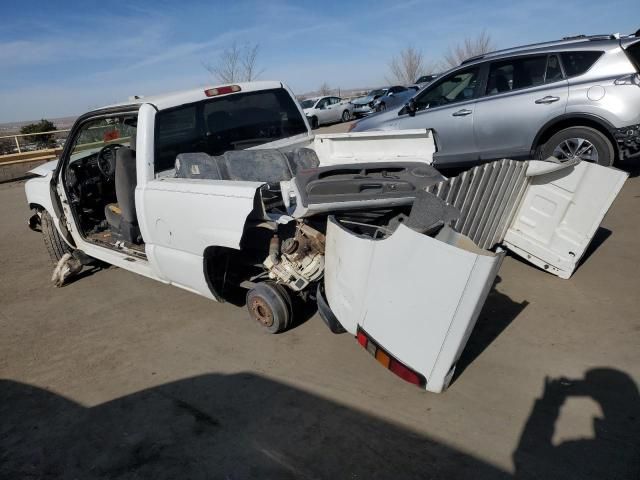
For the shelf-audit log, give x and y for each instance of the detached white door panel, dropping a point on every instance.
(544, 211)
(560, 213)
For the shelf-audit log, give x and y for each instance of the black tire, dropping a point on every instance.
(54, 242)
(346, 116)
(314, 123)
(602, 145)
(382, 107)
(270, 305)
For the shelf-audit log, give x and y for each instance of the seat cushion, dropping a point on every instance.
(119, 226)
(113, 214)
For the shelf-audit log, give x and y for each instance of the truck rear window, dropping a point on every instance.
(231, 122)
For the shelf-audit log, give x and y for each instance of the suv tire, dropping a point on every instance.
(567, 140)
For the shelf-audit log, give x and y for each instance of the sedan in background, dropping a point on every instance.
(394, 97)
(364, 105)
(425, 79)
(322, 110)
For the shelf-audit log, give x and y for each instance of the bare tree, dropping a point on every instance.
(236, 64)
(324, 89)
(408, 65)
(471, 47)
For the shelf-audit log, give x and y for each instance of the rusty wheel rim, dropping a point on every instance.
(261, 311)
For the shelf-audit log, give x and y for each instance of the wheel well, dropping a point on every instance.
(551, 130)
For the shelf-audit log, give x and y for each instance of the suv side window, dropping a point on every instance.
(516, 73)
(633, 51)
(578, 62)
(457, 87)
(324, 103)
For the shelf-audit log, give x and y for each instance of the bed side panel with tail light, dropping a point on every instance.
(418, 297)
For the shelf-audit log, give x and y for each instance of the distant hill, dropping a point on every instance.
(9, 128)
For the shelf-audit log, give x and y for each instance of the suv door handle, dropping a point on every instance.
(462, 113)
(547, 99)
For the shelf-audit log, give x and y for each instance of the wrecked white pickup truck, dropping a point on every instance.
(226, 192)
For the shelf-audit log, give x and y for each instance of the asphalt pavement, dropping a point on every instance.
(119, 376)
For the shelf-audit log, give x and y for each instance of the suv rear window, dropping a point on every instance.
(634, 54)
(576, 63)
(232, 122)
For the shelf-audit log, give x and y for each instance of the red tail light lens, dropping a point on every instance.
(214, 92)
(388, 361)
(404, 372)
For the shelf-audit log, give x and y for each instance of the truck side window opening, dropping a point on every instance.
(230, 122)
(98, 133)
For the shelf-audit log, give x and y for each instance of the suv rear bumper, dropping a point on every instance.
(628, 141)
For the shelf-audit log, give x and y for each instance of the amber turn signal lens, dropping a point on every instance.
(383, 358)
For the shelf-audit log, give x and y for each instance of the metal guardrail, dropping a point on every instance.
(50, 152)
(22, 135)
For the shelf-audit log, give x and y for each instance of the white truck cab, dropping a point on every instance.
(226, 192)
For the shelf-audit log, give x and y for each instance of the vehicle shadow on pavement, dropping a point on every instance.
(214, 426)
(496, 315)
(599, 238)
(631, 166)
(246, 426)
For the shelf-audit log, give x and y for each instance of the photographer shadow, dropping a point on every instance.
(614, 450)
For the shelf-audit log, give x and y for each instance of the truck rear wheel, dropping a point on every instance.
(56, 246)
(270, 305)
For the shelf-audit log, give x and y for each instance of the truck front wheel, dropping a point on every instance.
(270, 305)
(56, 246)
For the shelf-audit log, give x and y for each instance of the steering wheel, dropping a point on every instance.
(107, 160)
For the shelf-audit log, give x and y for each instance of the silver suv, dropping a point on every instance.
(577, 97)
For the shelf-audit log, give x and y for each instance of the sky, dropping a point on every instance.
(64, 58)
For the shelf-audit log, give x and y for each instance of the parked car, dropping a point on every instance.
(321, 110)
(573, 98)
(425, 79)
(397, 95)
(225, 192)
(364, 105)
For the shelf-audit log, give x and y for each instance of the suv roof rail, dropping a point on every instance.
(563, 41)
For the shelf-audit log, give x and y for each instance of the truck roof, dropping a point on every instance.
(174, 99)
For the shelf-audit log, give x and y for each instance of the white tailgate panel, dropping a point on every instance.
(559, 214)
(360, 147)
(418, 297)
